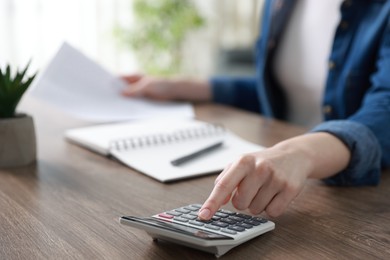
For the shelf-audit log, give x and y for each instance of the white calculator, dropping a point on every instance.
(224, 231)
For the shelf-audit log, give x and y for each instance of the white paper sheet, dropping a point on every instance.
(79, 86)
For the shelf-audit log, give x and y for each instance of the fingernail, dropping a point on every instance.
(204, 214)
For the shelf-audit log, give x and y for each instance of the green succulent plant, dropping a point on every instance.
(12, 89)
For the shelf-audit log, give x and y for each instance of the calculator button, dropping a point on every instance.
(243, 216)
(229, 221)
(164, 215)
(245, 225)
(183, 210)
(190, 207)
(238, 219)
(196, 223)
(226, 211)
(220, 214)
(197, 206)
(261, 220)
(236, 228)
(228, 231)
(252, 222)
(194, 213)
(181, 219)
(190, 217)
(212, 227)
(219, 224)
(205, 221)
(215, 218)
(173, 213)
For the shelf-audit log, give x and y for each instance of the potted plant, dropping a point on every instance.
(17, 134)
(159, 32)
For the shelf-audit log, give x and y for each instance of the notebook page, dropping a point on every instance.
(98, 137)
(156, 162)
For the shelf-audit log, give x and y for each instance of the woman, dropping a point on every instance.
(311, 54)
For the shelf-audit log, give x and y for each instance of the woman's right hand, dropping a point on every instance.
(164, 89)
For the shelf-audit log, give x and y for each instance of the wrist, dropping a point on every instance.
(191, 90)
(324, 154)
(301, 154)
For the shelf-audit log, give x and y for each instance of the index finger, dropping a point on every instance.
(223, 188)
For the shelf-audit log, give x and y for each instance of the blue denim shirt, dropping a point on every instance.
(356, 102)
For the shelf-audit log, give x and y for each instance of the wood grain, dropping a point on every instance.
(67, 204)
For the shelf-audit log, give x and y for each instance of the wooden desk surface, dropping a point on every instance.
(67, 205)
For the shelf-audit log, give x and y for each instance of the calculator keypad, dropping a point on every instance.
(224, 221)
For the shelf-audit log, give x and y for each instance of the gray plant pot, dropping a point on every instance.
(17, 141)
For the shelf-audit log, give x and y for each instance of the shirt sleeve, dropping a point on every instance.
(364, 166)
(367, 132)
(237, 92)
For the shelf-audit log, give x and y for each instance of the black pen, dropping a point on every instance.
(188, 157)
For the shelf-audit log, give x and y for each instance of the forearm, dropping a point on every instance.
(325, 154)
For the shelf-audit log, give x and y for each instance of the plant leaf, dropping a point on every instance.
(19, 77)
(23, 87)
(12, 90)
(8, 77)
(2, 84)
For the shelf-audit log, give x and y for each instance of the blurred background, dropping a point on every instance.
(167, 37)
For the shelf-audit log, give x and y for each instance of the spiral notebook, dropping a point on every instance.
(150, 146)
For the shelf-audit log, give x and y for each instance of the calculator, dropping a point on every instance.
(224, 231)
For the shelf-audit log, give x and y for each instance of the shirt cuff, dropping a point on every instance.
(364, 167)
(223, 91)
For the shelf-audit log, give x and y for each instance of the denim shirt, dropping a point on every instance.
(356, 101)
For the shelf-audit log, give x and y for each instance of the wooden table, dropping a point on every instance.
(67, 205)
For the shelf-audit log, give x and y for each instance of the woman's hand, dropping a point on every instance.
(149, 87)
(166, 89)
(270, 179)
(266, 180)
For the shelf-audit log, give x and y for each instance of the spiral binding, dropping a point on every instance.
(160, 139)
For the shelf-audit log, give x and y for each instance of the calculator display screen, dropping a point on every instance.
(202, 234)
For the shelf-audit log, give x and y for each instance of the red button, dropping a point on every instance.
(165, 215)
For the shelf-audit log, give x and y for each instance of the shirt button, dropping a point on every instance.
(331, 65)
(278, 5)
(327, 109)
(344, 25)
(271, 44)
(347, 3)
